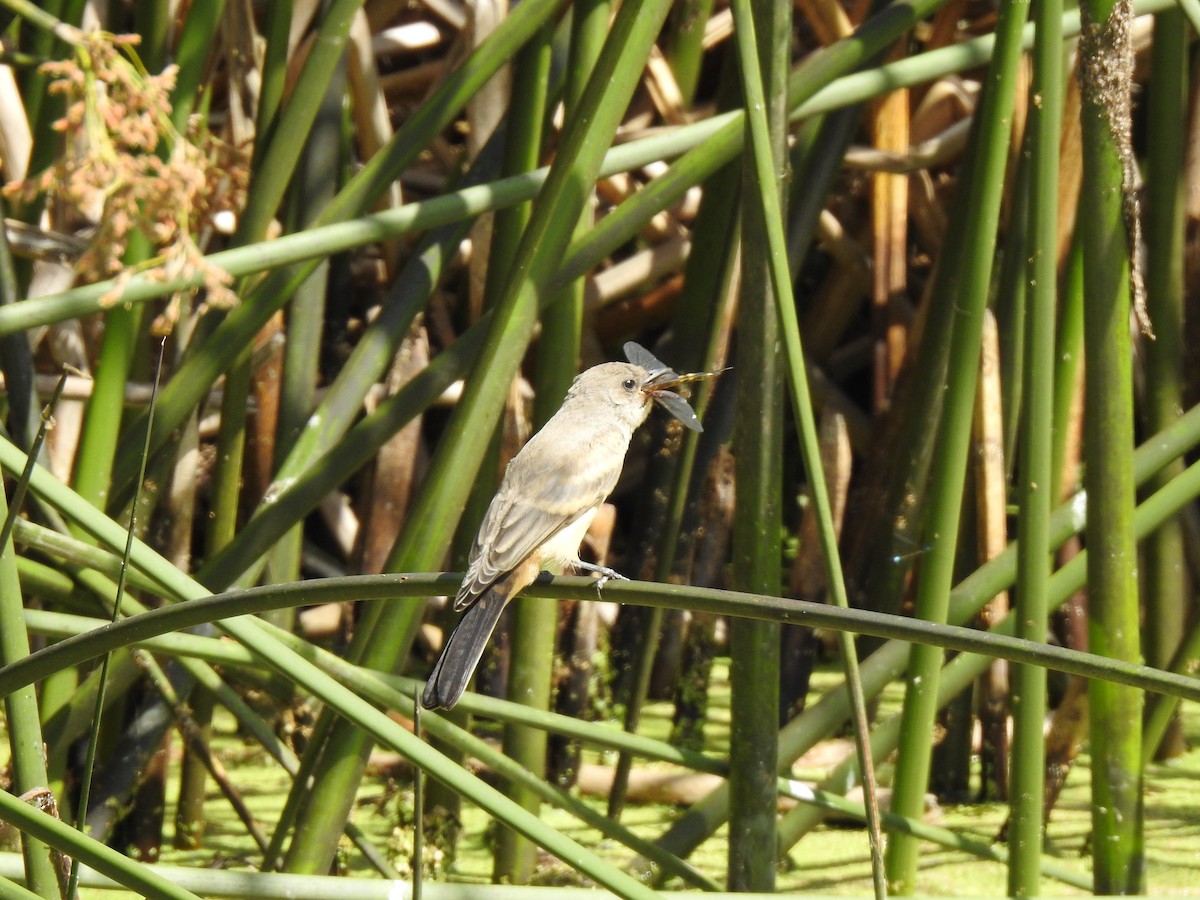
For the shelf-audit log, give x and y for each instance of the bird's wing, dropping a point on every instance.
(530, 507)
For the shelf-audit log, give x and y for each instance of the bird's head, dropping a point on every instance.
(630, 388)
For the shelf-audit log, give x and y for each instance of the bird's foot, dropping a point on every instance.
(606, 574)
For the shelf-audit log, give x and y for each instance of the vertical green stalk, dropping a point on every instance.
(881, 555)
(274, 72)
(152, 22)
(193, 776)
(231, 447)
(21, 707)
(1036, 482)
(758, 448)
(534, 621)
(641, 648)
(231, 450)
(695, 333)
(315, 184)
(220, 527)
(686, 50)
(534, 628)
(275, 159)
(1161, 709)
(40, 44)
(789, 330)
(1106, 68)
(1164, 564)
(195, 43)
(98, 439)
(562, 322)
(42, 108)
(983, 183)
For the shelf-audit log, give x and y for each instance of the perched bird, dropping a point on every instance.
(549, 495)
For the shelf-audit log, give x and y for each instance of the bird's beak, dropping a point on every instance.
(660, 381)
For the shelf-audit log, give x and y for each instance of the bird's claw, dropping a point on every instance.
(607, 577)
(606, 574)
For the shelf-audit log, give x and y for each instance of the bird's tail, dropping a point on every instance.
(460, 656)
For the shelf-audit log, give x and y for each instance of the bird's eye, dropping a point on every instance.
(629, 384)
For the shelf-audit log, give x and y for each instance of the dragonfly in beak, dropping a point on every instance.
(661, 378)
